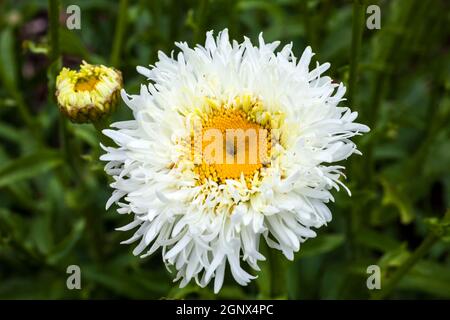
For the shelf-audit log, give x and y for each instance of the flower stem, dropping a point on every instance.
(418, 254)
(357, 31)
(99, 126)
(68, 148)
(119, 33)
(278, 273)
(307, 16)
(53, 6)
(54, 56)
(25, 114)
(200, 17)
(424, 247)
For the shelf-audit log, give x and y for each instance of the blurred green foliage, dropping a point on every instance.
(53, 190)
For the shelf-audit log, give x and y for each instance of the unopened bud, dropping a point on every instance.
(89, 94)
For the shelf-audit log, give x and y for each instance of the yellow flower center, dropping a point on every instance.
(86, 83)
(232, 145)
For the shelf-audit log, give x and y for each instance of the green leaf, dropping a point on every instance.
(28, 167)
(36, 48)
(394, 258)
(41, 235)
(43, 285)
(231, 292)
(320, 245)
(440, 227)
(11, 224)
(428, 277)
(136, 285)
(181, 293)
(376, 240)
(87, 134)
(395, 195)
(8, 64)
(64, 248)
(10, 133)
(338, 276)
(71, 43)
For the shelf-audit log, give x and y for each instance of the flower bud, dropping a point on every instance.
(89, 94)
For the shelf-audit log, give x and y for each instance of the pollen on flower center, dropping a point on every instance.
(233, 145)
(86, 84)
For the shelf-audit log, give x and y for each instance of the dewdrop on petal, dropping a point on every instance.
(89, 94)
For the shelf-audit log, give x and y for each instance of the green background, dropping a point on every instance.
(53, 189)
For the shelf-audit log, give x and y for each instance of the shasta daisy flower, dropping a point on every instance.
(230, 143)
(88, 94)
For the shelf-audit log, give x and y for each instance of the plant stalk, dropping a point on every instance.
(53, 6)
(119, 33)
(424, 247)
(278, 274)
(357, 31)
(418, 254)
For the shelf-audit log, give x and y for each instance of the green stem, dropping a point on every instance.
(72, 153)
(119, 33)
(53, 12)
(99, 126)
(309, 26)
(357, 31)
(63, 140)
(278, 274)
(432, 237)
(200, 17)
(68, 148)
(385, 56)
(388, 55)
(25, 113)
(424, 247)
(54, 56)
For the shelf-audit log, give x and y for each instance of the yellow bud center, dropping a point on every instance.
(86, 84)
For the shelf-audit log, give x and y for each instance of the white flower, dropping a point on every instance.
(207, 215)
